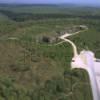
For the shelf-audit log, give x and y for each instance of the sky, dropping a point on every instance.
(87, 2)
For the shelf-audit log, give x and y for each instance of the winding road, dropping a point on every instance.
(85, 60)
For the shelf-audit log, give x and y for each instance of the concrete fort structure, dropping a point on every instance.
(86, 60)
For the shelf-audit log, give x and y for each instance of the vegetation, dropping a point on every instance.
(32, 70)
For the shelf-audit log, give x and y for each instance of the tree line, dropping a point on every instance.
(37, 16)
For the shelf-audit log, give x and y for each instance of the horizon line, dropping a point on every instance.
(22, 3)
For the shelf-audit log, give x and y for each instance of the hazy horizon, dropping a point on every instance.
(79, 2)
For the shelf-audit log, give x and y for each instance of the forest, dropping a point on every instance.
(31, 66)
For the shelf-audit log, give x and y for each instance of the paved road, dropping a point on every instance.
(86, 60)
(97, 71)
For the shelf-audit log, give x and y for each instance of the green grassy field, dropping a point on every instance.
(31, 70)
